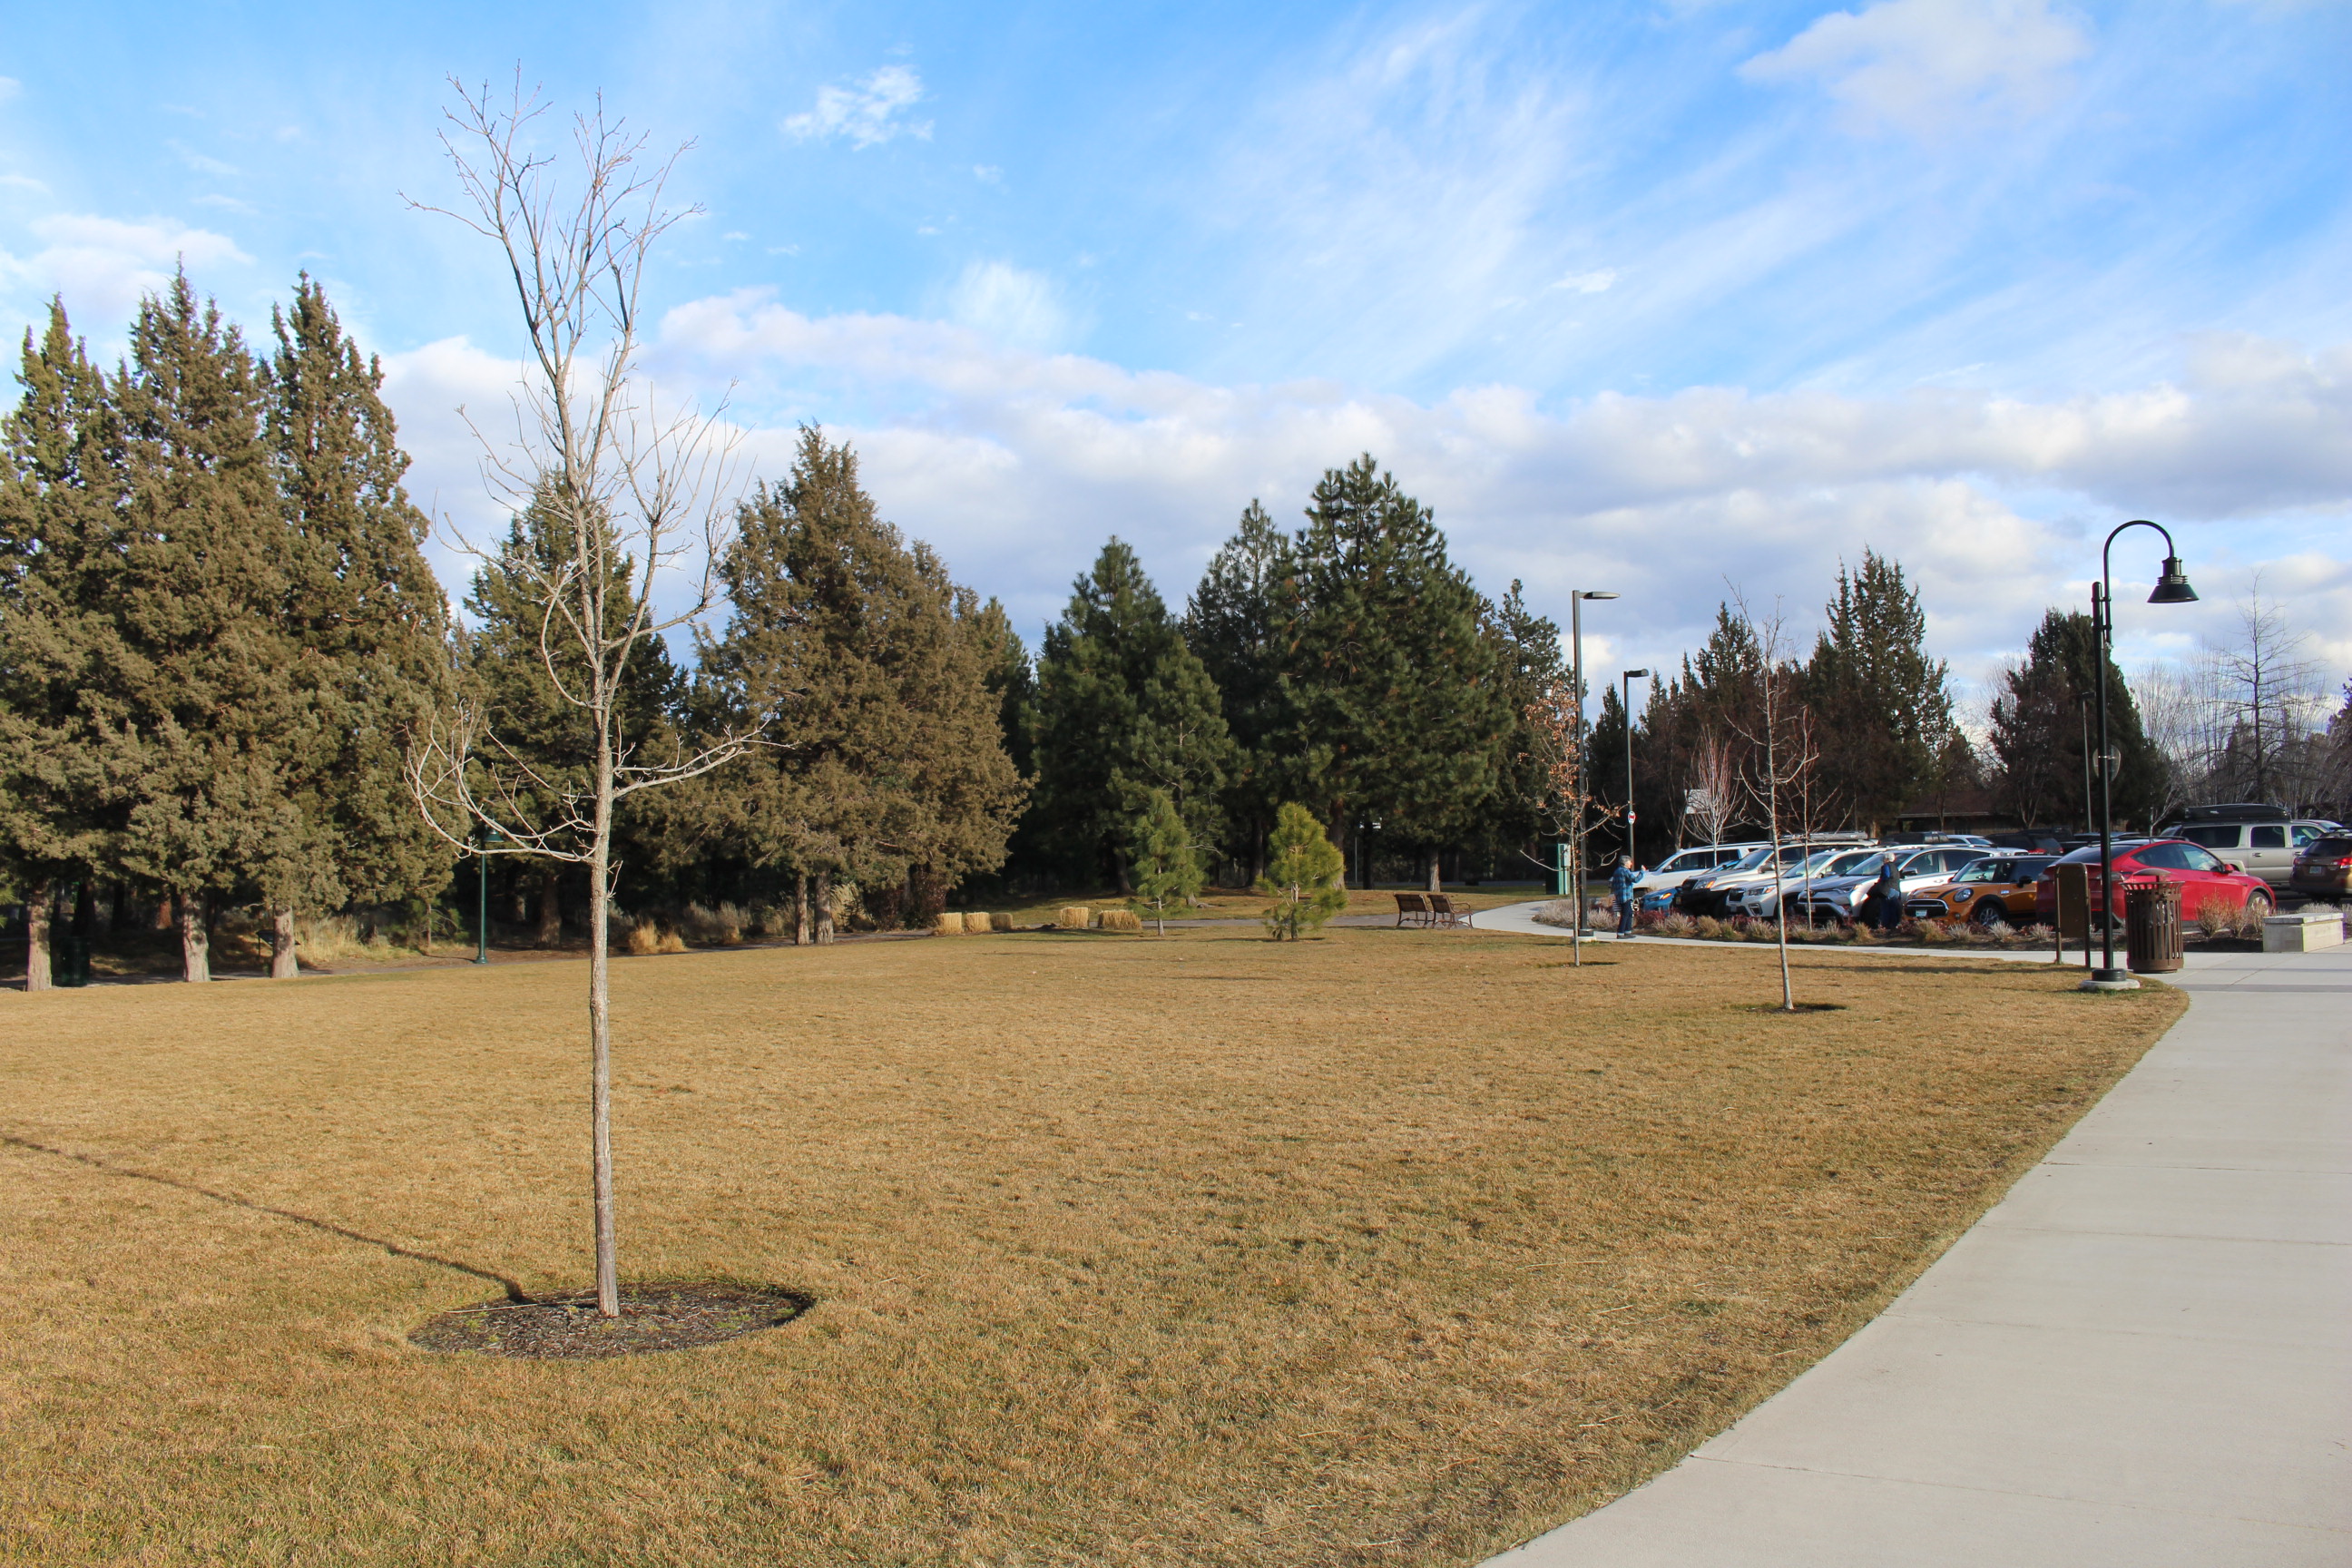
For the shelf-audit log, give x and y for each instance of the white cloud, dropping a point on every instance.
(1017, 463)
(22, 182)
(988, 174)
(103, 265)
(1598, 282)
(868, 113)
(1926, 65)
(201, 163)
(1017, 307)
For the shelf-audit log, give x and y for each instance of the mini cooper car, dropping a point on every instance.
(1994, 892)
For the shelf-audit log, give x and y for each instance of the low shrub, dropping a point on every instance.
(720, 927)
(647, 937)
(1558, 912)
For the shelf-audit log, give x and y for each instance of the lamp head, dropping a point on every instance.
(1637, 675)
(1596, 593)
(2172, 587)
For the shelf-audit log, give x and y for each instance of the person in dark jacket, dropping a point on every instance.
(1621, 888)
(1886, 898)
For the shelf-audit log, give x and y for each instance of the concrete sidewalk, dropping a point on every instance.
(2141, 1358)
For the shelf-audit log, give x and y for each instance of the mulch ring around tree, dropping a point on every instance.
(654, 1317)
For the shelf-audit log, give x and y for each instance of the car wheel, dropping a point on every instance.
(2258, 905)
(1991, 914)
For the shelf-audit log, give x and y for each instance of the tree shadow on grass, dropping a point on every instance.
(515, 1293)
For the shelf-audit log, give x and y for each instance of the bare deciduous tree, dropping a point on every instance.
(1713, 798)
(1782, 752)
(627, 495)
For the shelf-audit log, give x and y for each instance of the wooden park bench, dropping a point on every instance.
(1430, 909)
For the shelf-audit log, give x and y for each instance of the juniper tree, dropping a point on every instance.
(2037, 729)
(60, 502)
(1123, 708)
(1883, 707)
(870, 668)
(364, 614)
(1400, 719)
(208, 694)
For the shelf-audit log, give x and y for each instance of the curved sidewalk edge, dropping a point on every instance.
(2140, 1358)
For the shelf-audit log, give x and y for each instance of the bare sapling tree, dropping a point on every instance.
(1781, 755)
(1713, 796)
(1561, 804)
(628, 503)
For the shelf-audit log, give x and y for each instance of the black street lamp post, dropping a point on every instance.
(487, 837)
(1576, 599)
(1627, 679)
(2171, 588)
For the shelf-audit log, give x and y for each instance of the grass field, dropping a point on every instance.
(1394, 1248)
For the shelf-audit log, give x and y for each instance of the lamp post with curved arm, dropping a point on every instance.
(2171, 588)
(1576, 599)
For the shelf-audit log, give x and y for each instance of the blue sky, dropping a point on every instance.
(1659, 296)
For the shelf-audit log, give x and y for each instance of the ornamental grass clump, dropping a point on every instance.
(1302, 874)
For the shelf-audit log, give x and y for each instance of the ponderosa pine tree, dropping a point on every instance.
(1166, 863)
(1401, 720)
(1240, 624)
(1304, 875)
(870, 669)
(61, 492)
(368, 622)
(208, 692)
(2037, 729)
(1123, 708)
(1883, 708)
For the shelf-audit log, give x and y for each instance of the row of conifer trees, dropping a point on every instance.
(218, 630)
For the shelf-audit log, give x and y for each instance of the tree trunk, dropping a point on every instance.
(282, 964)
(824, 908)
(194, 911)
(550, 906)
(801, 910)
(38, 912)
(600, 1030)
(1435, 884)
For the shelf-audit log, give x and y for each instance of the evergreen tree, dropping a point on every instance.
(2037, 731)
(1240, 624)
(1303, 875)
(1883, 708)
(1007, 674)
(208, 692)
(888, 758)
(1401, 722)
(1531, 668)
(60, 498)
(545, 742)
(1123, 709)
(1167, 866)
(368, 622)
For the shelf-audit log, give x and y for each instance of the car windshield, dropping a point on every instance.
(1749, 861)
(1853, 862)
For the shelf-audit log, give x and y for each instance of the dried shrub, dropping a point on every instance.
(1558, 912)
(720, 927)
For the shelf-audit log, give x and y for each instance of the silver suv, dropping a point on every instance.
(2264, 850)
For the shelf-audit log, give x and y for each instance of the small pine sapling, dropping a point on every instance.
(1166, 867)
(1302, 874)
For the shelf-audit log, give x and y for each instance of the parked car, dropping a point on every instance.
(1837, 898)
(2209, 884)
(2267, 849)
(1714, 893)
(2323, 867)
(1997, 890)
(1760, 896)
(1683, 864)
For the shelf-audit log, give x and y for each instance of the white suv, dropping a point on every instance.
(1683, 864)
(2264, 850)
(1760, 900)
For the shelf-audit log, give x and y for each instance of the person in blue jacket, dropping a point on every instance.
(1621, 888)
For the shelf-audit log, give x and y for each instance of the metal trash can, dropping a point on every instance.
(69, 962)
(2152, 925)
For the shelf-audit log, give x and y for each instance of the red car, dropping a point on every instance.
(2206, 880)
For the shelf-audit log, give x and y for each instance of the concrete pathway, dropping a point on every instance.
(2141, 1358)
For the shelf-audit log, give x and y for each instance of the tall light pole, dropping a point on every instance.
(2171, 588)
(1576, 829)
(1630, 676)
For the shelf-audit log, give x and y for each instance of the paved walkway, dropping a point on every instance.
(2141, 1358)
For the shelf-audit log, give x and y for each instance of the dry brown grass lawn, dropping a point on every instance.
(1390, 1248)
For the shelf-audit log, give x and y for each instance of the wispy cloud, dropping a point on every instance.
(1598, 282)
(868, 113)
(1929, 66)
(1018, 308)
(201, 163)
(22, 182)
